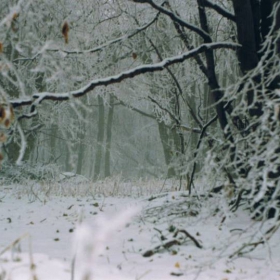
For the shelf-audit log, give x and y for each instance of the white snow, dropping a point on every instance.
(87, 233)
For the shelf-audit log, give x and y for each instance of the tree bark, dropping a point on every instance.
(245, 23)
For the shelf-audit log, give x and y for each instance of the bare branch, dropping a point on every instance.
(136, 110)
(172, 116)
(220, 10)
(109, 43)
(175, 80)
(177, 19)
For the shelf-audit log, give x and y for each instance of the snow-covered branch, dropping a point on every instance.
(21, 102)
(148, 68)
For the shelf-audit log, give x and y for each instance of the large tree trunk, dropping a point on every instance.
(254, 24)
(245, 22)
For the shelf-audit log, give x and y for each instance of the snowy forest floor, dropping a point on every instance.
(74, 231)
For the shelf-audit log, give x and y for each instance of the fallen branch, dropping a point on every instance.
(197, 244)
(169, 244)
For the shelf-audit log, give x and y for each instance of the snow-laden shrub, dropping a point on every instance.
(11, 173)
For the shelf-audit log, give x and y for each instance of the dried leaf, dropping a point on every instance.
(65, 31)
(13, 24)
(15, 16)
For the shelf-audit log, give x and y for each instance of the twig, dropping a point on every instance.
(13, 243)
(253, 245)
(143, 275)
(236, 204)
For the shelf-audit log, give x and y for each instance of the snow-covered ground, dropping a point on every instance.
(86, 231)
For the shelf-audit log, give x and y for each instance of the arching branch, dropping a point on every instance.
(148, 68)
(37, 98)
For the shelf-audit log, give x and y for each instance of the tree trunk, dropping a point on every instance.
(100, 139)
(247, 54)
(81, 136)
(167, 151)
(81, 150)
(107, 171)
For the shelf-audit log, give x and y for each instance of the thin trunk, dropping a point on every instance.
(81, 150)
(100, 139)
(53, 135)
(163, 132)
(107, 171)
(81, 137)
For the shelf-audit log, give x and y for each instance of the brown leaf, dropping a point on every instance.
(65, 31)
(15, 16)
(14, 21)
